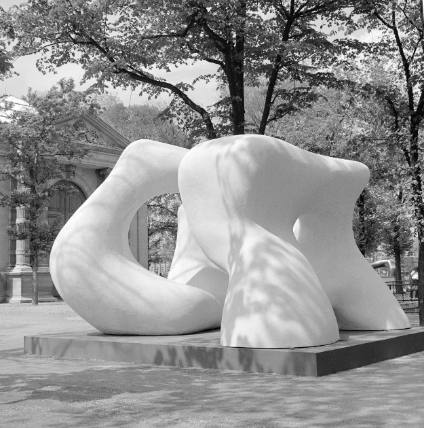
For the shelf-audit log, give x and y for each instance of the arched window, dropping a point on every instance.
(66, 198)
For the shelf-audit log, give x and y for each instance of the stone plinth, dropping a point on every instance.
(19, 286)
(202, 350)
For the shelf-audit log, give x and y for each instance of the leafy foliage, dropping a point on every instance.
(163, 226)
(397, 225)
(6, 32)
(133, 43)
(38, 145)
(353, 123)
(142, 121)
(400, 24)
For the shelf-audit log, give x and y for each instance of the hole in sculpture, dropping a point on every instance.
(153, 232)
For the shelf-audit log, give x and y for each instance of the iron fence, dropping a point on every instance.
(160, 268)
(406, 292)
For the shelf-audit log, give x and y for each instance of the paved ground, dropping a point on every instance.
(44, 392)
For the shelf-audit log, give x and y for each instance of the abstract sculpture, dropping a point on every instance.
(266, 219)
(94, 270)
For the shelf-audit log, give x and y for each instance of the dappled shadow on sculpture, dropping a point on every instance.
(92, 265)
(265, 243)
(283, 286)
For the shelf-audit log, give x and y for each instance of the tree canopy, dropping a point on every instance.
(270, 60)
(141, 121)
(400, 25)
(6, 32)
(132, 43)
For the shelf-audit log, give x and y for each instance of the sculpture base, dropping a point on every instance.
(202, 350)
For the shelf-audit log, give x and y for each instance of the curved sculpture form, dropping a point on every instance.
(191, 266)
(269, 219)
(242, 196)
(241, 209)
(92, 266)
(360, 298)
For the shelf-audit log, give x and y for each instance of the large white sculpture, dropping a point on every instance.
(94, 270)
(242, 198)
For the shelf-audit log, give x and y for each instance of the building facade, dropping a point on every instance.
(82, 177)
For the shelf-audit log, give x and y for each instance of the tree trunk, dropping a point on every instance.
(234, 71)
(269, 94)
(236, 87)
(415, 168)
(238, 115)
(421, 277)
(397, 248)
(398, 266)
(273, 76)
(362, 239)
(35, 281)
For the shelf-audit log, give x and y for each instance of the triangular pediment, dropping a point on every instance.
(104, 134)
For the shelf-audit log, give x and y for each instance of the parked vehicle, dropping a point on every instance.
(385, 268)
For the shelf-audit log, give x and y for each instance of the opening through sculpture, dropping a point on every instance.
(265, 247)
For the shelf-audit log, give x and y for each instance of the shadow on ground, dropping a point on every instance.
(70, 394)
(45, 392)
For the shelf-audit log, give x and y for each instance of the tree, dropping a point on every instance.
(133, 44)
(357, 123)
(396, 231)
(6, 32)
(401, 27)
(37, 150)
(365, 223)
(142, 121)
(163, 226)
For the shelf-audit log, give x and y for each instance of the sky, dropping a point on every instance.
(29, 77)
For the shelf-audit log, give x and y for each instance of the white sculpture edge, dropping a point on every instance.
(250, 191)
(92, 266)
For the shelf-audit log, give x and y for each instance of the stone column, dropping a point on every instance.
(22, 245)
(138, 236)
(19, 278)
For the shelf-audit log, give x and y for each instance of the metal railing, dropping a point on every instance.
(160, 268)
(406, 292)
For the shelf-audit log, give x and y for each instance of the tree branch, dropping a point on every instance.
(381, 19)
(405, 63)
(273, 76)
(141, 76)
(419, 41)
(420, 106)
(409, 19)
(182, 33)
(315, 9)
(220, 43)
(205, 58)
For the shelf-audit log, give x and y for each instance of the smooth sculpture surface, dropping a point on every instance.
(94, 270)
(285, 289)
(191, 266)
(265, 247)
